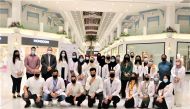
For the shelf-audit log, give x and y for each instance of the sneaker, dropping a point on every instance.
(114, 105)
(27, 105)
(78, 104)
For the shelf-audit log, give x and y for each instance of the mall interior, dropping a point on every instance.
(148, 28)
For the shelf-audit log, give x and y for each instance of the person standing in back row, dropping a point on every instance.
(32, 63)
(164, 67)
(48, 62)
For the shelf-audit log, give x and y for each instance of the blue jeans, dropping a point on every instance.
(48, 97)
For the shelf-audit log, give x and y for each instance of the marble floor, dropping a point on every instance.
(7, 102)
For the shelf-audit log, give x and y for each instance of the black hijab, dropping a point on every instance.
(111, 65)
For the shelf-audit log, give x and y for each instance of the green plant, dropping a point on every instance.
(124, 34)
(62, 32)
(16, 24)
(91, 38)
(169, 30)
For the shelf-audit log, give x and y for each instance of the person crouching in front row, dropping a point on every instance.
(33, 90)
(75, 92)
(54, 88)
(94, 87)
(112, 87)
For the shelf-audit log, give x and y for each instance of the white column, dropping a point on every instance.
(16, 10)
(118, 29)
(66, 27)
(41, 27)
(170, 16)
(144, 30)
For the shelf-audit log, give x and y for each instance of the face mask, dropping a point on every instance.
(63, 55)
(163, 59)
(127, 58)
(33, 52)
(165, 80)
(132, 56)
(55, 76)
(133, 78)
(37, 75)
(74, 57)
(91, 61)
(108, 58)
(81, 60)
(73, 81)
(17, 55)
(49, 52)
(112, 60)
(87, 58)
(92, 75)
(156, 79)
(112, 75)
(146, 78)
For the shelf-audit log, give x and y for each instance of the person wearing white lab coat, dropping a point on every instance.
(178, 75)
(73, 62)
(94, 87)
(80, 70)
(112, 88)
(114, 66)
(63, 66)
(75, 92)
(132, 92)
(146, 93)
(165, 100)
(17, 69)
(153, 71)
(138, 68)
(54, 88)
(103, 67)
(157, 82)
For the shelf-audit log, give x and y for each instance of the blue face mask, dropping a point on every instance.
(156, 79)
(81, 60)
(165, 80)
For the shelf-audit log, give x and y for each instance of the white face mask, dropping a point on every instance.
(33, 52)
(49, 52)
(165, 80)
(112, 60)
(63, 55)
(81, 60)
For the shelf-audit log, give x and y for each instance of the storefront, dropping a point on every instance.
(40, 44)
(4, 53)
(183, 51)
(150, 50)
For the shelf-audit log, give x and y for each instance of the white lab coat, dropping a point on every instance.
(181, 74)
(75, 89)
(72, 64)
(117, 69)
(84, 72)
(111, 89)
(138, 69)
(105, 72)
(151, 92)
(168, 95)
(60, 87)
(135, 94)
(64, 64)
(96, 86)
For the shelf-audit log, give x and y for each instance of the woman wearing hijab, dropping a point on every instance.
(114, 66)
(165, 99)
(99, 58)
(87, 58)
(73, 62)
(126, 70)
(178, 75)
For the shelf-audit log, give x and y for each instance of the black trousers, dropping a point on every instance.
(80, 99)
(162, 105)
(34, 97)
(130, 103)
(28, 75)
(16, 84)
(115, 100)
(91, 101)
(123, 87)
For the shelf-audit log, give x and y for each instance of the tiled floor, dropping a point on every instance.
(7, 102)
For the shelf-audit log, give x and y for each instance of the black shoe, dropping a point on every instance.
(27, 105)
(78, 104)
(99, 106)
(18, 96)
(114, 105)
(14, 96)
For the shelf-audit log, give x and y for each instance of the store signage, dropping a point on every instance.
(3, 39)
(39, 42)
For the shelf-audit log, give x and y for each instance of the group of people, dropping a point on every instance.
(139, 81)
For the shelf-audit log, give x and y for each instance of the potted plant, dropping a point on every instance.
(169, 30)
(123, 34)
